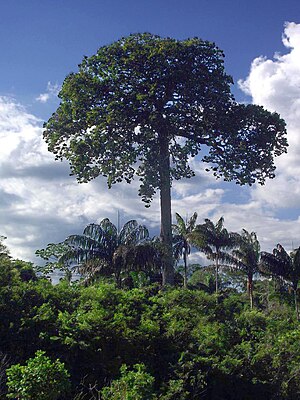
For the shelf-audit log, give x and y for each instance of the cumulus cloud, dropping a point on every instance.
(275, 84)
(40, 202)
(51, 92)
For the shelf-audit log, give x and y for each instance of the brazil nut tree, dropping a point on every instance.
(144, 105)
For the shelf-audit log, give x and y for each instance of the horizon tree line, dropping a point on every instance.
(131, 254)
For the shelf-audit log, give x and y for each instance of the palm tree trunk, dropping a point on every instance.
(268, 295)
(217, 274)
(118, 279)
(296, 303)
(165, 211)
(185, 260)
(250, 290)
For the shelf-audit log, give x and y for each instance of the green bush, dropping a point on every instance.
(39, 379)
(136, 384)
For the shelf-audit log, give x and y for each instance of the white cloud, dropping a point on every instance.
(51, 92)
(275, 84)
(40, 202)
(254, 217)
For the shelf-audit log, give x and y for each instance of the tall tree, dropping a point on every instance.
(246, 258)
(214, 240)
(181, 245)
(283, 265)
(144, 105)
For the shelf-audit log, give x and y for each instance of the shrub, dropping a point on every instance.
(39, 379)
(136, 384)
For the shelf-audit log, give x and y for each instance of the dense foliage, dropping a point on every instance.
(163, 344)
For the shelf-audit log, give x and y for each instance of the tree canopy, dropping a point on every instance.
(144, 105)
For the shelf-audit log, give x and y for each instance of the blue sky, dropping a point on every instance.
(42, 41)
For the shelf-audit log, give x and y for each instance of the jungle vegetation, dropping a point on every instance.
(129, 337)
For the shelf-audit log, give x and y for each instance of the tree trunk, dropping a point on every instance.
(217, 274)
(250, 290)
(185, 260)
(296, 303)
(165, 211)
(268, 295)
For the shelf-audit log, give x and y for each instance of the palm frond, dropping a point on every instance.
(220, 225)
(139, 257)
(198, 238)
(295, 255)
(127, 230)
(192, 222)
(109, 229)
(94, 231)
(82, 241)
(180, 223)
(178, 249)
(277, 263)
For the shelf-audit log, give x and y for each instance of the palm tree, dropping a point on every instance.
(213, 239)
(246, 259)
(283, 265)
(95, 252)
(181, 245)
